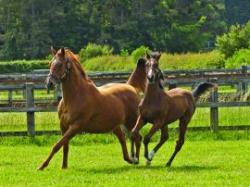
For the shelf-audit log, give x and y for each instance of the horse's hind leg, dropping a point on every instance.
(183, 128)
(65, 155)
(121, 136)
(70, 133)
(136, 154)
(65, 149)
(164, 138)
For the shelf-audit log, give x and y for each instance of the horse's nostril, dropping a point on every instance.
(50, 85)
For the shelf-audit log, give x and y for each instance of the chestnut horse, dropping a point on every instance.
(162, 108)
(86, 108)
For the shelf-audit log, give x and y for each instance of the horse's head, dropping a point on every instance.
(154, 73)
(59, 68)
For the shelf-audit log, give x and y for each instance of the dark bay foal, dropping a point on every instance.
(162, 108)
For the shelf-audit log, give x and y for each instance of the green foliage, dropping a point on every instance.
(237, 38)
(192, 60)
(241, 57)
(168, 61)
(127, 63)
(29, 28)
(94, 50)
(124, 53)
(22, 66)
(139, 52)
(109, 63)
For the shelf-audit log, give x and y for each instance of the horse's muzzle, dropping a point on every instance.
(150, 78)
(50, 82)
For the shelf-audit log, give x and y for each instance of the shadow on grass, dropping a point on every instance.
(191, 168)
(129, 168)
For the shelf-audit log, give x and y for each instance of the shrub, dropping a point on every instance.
(212, 59)
(109, 63)
(124, 53)
(23, 66)
(192, 60)
(94, 50)
(139, 52)
(240, 58)
(237, 38)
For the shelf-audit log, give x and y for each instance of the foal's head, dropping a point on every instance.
(154, 73)
(59, 67)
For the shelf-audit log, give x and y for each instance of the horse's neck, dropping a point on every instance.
(75, 85)
(152, 91)
(138, 79)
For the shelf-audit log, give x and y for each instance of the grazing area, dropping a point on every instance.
(17, 121)
(207, 159)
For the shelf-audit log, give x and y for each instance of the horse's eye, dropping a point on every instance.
(155, 65)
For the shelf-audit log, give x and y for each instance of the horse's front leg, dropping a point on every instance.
(70, 133)
(164, 138)
(147, 138)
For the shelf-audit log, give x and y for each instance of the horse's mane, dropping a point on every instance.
(76, 60)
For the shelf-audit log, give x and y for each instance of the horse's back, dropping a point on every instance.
(127, 95)
(182, 101)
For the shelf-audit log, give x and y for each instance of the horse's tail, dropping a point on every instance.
(138, 78)
(202, 88)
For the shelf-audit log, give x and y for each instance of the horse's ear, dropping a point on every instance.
(63, 51)
(53, 51)
(147, 55)
(141, 62)
(158, 56)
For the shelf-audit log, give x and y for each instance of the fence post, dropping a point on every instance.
(30, 104)
(244, 84)
(10, 97)
(214, 113)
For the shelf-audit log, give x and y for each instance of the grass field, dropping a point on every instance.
(49, 120)
(205, 160)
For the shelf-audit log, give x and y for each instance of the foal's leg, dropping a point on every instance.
(155, 127)
(183, 128)
(164, 138)
(70, 133)
(121, 136)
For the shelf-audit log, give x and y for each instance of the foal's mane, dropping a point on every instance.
(76, 61)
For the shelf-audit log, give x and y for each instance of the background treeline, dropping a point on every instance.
(29, 27)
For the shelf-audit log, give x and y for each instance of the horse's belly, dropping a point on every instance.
(103, 123)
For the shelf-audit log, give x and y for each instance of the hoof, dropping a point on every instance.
(135, 160)
(41, 168)
(168, 164)
(148, 162)
(64, 167)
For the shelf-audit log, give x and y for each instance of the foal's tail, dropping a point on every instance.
(202, 88)
(138, 78)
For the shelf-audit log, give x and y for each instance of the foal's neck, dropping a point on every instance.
(152, 90)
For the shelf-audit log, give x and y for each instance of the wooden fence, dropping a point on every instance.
(27, 83)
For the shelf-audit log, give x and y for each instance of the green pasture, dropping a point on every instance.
(49, 120)
(96, 160)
